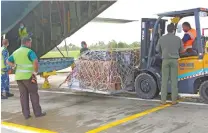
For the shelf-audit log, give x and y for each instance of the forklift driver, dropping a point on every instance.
(189, 36)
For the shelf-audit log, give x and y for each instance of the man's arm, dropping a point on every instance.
(34, 59)
(181, 47)
(10, 61)
(186, 37)
(35, 65)
(5, 55)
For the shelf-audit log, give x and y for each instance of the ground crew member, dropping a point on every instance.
(189, 36)
(22, 31)
(4, 70)
(169, 46)
(84, 47)
(26, 66)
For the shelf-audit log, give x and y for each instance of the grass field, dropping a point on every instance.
(54, 54)
(75, 54)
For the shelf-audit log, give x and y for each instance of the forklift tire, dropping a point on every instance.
(203, 91)
(146, 86)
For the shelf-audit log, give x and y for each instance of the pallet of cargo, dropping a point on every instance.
(104, 72)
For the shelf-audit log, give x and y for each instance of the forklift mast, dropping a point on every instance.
(147, 36)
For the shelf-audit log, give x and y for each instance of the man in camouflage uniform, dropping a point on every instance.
(4, 70)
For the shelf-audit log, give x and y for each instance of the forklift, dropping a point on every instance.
(192, 66)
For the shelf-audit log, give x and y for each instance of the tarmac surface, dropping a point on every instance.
(69, 112)
(8, 131)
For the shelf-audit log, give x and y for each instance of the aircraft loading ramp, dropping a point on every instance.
(49, 21)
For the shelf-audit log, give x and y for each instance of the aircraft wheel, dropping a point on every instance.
(146, 86)
(203, 91)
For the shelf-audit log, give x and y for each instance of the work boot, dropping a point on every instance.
(9, 94)
(29, 116)
(42, 114)
(3, 97)
(162, 102)
(174, 102)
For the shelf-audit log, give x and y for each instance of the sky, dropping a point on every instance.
(133, 10)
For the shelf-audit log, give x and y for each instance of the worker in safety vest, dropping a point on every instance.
(22, 31)
(25, 62)
(4, 70)
(189, 36)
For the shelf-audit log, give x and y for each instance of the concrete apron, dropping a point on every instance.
(69, 113)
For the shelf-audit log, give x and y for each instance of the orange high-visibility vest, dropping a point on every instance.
(192, 33)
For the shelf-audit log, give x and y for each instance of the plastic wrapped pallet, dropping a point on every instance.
(100, 75)
(106, 71)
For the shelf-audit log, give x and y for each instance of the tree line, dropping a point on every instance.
(99, 45)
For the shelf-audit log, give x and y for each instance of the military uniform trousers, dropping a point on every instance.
(4, 82)
(169, 71)
(27, 88)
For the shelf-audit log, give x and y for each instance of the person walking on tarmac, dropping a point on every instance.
(170, 46)
(4, 70)
(25, 62)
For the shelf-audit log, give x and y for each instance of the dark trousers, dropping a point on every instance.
(27, 88)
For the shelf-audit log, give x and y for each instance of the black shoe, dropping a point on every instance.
(42, 114)
(3, 97)
(29, 116)
(9, 94)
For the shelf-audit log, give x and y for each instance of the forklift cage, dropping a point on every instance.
(185, 13)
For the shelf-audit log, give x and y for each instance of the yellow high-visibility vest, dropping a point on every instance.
(23, 33)
(2, 59)
(24, 68)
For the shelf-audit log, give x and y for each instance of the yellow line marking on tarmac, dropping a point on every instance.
(26, 128)
(128, 118)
